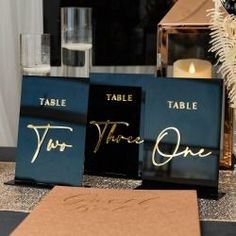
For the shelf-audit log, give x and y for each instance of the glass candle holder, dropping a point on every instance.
(35, 54)
(76, 38)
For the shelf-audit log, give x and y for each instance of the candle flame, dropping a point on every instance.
(192, 69)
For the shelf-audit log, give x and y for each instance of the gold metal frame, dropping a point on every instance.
(163, 34)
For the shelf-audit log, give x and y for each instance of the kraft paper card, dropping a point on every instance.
(101, 212)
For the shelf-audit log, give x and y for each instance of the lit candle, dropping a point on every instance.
(192, 68)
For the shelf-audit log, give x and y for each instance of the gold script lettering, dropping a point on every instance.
(185, 153)
(51, 145)
(111, 126)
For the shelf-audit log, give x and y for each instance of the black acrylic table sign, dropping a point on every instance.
(114, 143)
(183, 130)
(113, 130)
(52, 127)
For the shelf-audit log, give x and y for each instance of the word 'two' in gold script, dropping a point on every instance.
(51, 143)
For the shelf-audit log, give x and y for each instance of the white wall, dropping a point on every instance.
(16, 16)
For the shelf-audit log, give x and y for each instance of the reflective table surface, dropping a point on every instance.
(24, 199)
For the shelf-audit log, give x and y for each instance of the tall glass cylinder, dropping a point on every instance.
(76, 38)
(35, 54)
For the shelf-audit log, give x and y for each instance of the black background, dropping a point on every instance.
(116, 159)
(124, 31)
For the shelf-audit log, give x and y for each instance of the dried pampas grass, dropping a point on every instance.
(223, 44)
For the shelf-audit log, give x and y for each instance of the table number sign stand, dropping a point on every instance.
(183, 134)
(114, 127)
(51, 136)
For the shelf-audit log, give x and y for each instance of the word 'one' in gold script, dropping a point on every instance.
(186, 152)
(106, 132)
(52, 144)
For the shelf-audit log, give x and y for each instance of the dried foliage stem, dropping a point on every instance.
(223, 44)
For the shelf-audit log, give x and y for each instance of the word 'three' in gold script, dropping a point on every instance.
(176, 153)
(119, 97)
(110, 126)
(51, 143)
